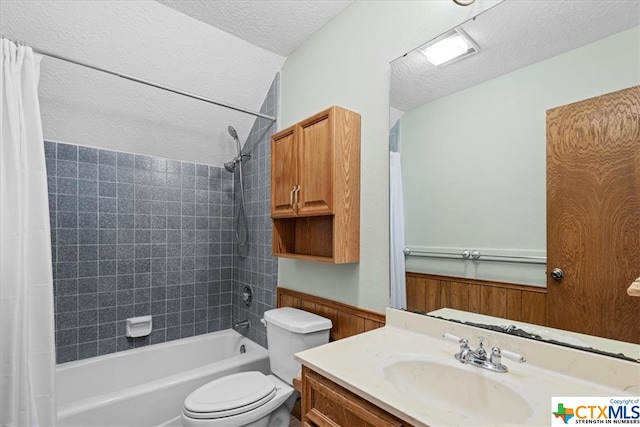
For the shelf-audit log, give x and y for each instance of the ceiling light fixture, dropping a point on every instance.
(463, 2)
(450, 47)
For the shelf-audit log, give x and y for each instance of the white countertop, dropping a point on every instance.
(358, 364)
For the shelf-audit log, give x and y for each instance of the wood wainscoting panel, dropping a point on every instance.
(493, 301)
(514, 304)
(428, 292)
(416, 293)
(347, 319)
(533, 303)
(474, 297)
(454, 295)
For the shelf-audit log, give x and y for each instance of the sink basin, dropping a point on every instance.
(472, 395)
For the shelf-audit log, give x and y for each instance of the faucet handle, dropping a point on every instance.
(496, 356)
(480, 350)
(513, 356)
(463, 342)
(452, 338)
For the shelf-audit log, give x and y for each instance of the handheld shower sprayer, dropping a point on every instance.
(231, 165)
(232, 132)
(241, 218)
(234, 135)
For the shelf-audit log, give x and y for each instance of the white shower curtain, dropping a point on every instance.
(396, 212)
(27, 352)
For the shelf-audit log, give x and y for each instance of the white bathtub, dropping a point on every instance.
(147, 386)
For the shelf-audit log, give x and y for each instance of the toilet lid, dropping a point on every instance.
(230, 395)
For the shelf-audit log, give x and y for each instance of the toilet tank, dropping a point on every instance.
(290, 331)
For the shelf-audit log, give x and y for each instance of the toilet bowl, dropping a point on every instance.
(242, 399)
(253, 399)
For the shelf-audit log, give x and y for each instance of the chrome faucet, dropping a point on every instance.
(244, 324)
(478, 357)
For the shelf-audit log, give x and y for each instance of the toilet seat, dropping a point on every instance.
(283, 392)
(230, 395)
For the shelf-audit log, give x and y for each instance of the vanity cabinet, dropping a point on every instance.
(325, 403)
(315, 188)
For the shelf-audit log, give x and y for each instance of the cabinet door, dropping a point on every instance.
(326, 404)
(315, 167)
(283, 173)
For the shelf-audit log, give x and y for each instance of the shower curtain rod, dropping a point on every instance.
(149, 83)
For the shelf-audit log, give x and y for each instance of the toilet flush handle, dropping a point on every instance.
(264, 322)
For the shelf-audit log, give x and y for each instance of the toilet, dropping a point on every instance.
(253, 399)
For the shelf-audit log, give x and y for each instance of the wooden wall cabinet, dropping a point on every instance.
(315, 188)
(325, 403)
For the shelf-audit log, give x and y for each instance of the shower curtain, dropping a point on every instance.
(396, 219)
(27, 352)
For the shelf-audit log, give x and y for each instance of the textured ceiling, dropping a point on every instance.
(511, 35)
(237, 63)
(148, 40)
(228, 51)
(279, 26)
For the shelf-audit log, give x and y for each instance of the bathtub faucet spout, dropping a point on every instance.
(245, 324)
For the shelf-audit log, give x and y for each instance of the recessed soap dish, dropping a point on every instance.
(139, 326)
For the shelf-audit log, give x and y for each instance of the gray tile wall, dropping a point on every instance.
(135, 235)
(253, 265)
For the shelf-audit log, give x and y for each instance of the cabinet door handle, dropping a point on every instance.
(297, 191)
(291, 197)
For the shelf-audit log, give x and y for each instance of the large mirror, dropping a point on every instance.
(483, 205)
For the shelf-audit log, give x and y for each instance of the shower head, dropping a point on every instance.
(233, 132)
(230, 166)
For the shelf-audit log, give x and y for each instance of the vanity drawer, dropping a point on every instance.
(326, 404)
